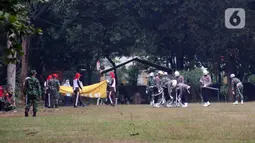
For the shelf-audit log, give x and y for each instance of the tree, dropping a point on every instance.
(15, 24)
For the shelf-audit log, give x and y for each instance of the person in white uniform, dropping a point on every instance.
(77, 86)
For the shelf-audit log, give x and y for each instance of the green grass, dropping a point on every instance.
(221, 122)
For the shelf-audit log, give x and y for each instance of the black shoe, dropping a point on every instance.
(34, 115)
(26, 114)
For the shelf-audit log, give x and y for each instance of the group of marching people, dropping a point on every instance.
(162, 84)
(32, 91)
(52, 87)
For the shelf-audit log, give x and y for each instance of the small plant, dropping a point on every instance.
(251, 79)
(192, 77)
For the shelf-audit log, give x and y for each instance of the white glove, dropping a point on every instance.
(146, 92)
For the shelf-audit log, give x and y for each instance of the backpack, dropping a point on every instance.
(32, 86)
(53, 85)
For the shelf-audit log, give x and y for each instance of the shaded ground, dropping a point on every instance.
(222, 122)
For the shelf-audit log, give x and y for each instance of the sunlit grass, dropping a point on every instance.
(133, 123)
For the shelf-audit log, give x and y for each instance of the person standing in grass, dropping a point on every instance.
(68, 95)
(47, 92)
(77, 86)
(54, 87)
(237, 88)
(205, 81)
(112, 89)
(150, 89)
(32, 89)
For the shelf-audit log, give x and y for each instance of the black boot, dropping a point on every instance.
(26, 114)
(34, 114)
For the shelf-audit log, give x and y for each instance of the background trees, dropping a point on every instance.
(176, 34)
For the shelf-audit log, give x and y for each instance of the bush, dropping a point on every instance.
(133, 73)
(192, 77)
(251, 79)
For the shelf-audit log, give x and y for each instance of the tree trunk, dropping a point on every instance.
(229, 70)
(219, 74)
(179, 59)
(11, 74)
(11, 78)
(167, 63)
(89, 72)
(24, 63)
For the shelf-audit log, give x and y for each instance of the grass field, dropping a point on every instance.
(221, 122)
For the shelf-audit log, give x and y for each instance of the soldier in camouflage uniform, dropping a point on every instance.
(32, 89)
(237, 88)
(151, 88)
(54, 86)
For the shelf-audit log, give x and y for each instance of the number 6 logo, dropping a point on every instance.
(235, 18)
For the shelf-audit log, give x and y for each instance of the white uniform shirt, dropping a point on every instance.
(76, 84)
(68, 85)
(113, 84)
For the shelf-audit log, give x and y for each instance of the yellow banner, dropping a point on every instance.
(93, 91)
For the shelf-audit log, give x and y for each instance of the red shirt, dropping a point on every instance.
(1, 91)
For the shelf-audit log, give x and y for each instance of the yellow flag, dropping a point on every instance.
(93, 91)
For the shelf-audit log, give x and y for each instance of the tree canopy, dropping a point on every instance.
(176, 34)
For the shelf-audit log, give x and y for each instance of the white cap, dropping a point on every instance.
(151, 74)
(205, 72)
(165, 73)
(174, 83)
(232, 75)
(176, 73)
(160, 73)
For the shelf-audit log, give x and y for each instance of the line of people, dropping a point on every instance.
(162, 83)
(32, 91)
(52, 86)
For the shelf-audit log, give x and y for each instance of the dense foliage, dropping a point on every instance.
(177, 33)
(14, 24)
